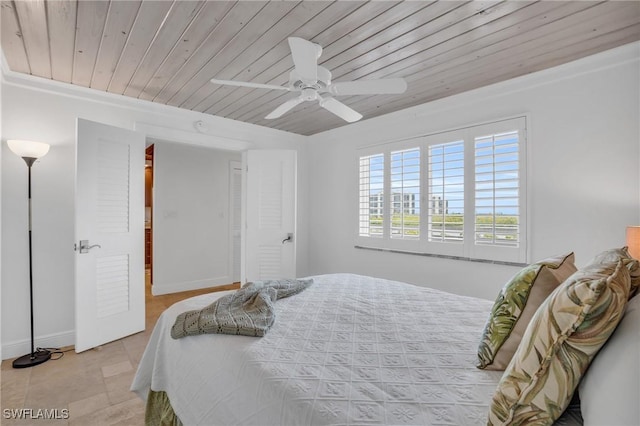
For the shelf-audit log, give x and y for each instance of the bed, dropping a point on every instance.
(350, 349)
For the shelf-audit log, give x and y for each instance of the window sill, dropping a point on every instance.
(443, 256)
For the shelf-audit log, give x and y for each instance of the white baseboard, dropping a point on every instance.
(158, 289)
(23, 347)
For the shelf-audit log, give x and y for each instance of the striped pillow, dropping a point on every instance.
(561, 340)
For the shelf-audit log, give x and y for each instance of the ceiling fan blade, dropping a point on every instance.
(341, 110)
(248, 84)
(305, 56)
(369, 87)
(282, 109)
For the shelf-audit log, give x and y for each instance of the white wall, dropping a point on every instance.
(583, 173)
(584, 183)
(38, 109)
(191, 229)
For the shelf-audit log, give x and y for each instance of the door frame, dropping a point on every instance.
(235, 172)
(155, 140)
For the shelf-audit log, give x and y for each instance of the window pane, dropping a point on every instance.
(405, 194)
(371, 195)
(496, 190)
(446, 192)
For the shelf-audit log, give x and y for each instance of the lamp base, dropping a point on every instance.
(30, 360)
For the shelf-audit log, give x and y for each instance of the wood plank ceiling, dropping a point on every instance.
(167, 51)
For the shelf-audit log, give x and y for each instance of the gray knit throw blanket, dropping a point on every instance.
(250, 311)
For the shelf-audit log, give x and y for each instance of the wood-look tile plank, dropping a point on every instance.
(239, 16)
(14, 385)
(11, 37)
(118, 387)
(94, 385)
(88, 405)
(91, 17)
(145, 29)
(117, 28)
(33, 24)
(178, 19)
(116, 369)
(74, 385)
(61, 19)
(129, 412)
(199, 29)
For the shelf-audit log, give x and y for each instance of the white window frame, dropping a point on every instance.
(467, 250)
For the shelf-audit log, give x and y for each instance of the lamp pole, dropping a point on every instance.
(30, 152)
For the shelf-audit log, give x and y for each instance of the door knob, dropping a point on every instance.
(289, 238)
(84, 246)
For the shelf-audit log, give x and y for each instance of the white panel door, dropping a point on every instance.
(109, 278)
(270, 214)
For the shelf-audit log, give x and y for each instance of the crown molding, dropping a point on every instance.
(220, 126)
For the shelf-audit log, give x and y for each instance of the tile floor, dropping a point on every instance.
(93, 386)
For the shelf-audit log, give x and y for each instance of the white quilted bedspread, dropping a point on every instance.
(348, 350)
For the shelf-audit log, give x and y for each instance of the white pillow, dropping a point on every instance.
(610, 390)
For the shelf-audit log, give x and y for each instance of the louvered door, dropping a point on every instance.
(109, 234)
(271, 215)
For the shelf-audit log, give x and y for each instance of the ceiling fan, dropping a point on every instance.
(311, 79)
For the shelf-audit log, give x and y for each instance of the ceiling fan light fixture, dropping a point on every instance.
(309, 94)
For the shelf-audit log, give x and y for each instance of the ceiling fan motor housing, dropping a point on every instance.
(298, 83)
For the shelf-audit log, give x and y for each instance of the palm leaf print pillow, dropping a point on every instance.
(616, 254)
(562, 338)
(517, 302)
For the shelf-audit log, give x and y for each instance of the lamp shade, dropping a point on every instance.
(633, 241)
(28, 149)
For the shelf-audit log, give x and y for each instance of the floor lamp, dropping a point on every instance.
(30, 151)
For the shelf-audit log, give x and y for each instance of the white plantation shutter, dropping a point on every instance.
(457, 193)
(446, 192)
(497, 182)
(371, 197)
(405, 194)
